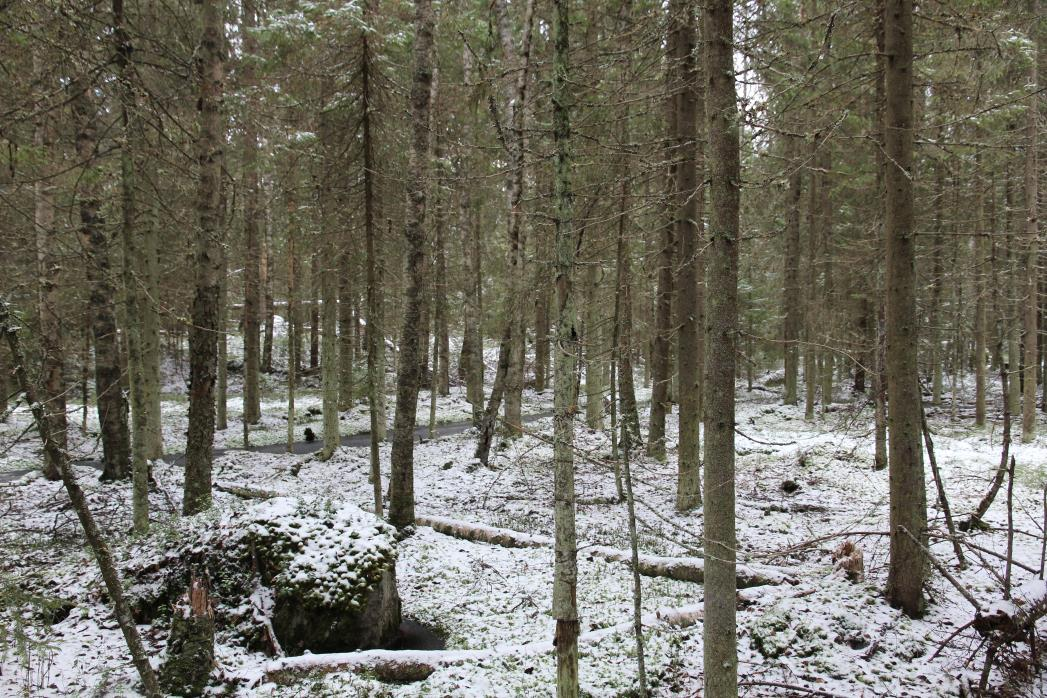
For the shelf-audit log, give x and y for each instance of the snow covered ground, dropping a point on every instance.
(492, 603)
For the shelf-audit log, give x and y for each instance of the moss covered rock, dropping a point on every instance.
(318, 575)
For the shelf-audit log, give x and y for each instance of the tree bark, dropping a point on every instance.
(721, 642)
(565, 572)
(134, 296)
(791, 299)
(1032, 251)
(908, 496)
(687, 204)
(48, 272)
(252, 213)
(209, 259)
(515, 101)
(375, 325)
(112, 406)
(415, 334)
(328, 262)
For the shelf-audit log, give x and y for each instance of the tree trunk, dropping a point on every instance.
(687, 205)
(934, 319)
(346, 335)
(908, 516)
(812, 311)
(1014, 305)
(661, 346)
(594, 384)
(720, 653)
(252, 244)
(1032, 250)
(415, 334)
(134, 296)
(472, 360)
(565, 572)
(222, 387)
(314, 310)
(442, 340)
(515, 101)
(291, 199)
(630, 418)
(112, 406)
(266, 283)
(828, 300)
(209, 259)
(981, 291)
(48, 271)
(791, 300)
(375, 331)
(328, 283)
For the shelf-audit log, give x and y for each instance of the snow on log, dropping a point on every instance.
(684, 569)
(416, 665)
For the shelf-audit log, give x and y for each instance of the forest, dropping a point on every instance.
(523, 348)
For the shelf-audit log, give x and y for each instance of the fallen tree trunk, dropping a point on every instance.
(417, 665)
(684, 569)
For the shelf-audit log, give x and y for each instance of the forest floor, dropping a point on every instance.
(815, 631)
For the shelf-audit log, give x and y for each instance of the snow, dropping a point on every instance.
(810, 628)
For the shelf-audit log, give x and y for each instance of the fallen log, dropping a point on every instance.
(417, 665)
(684, 569)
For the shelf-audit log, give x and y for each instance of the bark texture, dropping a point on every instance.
(415, 333)
(908, 515)
(203, 333)
(721, 641)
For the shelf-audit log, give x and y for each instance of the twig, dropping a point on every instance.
(791, 687)
(943, 501)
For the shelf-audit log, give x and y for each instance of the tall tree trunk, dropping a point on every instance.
(112, 406)
(442, 339)
(792, 306)
(812, 311)
(252, 214)
(721, 642)
(828, 300)
(981, 291)
(415, 334)
(593, 348)
(908, 517)
(315, 263)
(472, 359)
(291, 199)
(630, 418)
(134, 295)
(95, 540)
(375, 325)
(203, 332)
(937, 284)
(687, 205)
(1031, 252)
(1014, 305)
(346, 336)
(328, 283)
(222, 385)
(266, 283)
(48, 271)
(515, 101)
(565, 572)
(661, 344)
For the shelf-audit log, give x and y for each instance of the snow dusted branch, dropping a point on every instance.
(685, 569)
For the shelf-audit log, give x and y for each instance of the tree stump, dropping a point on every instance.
(190, 646)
